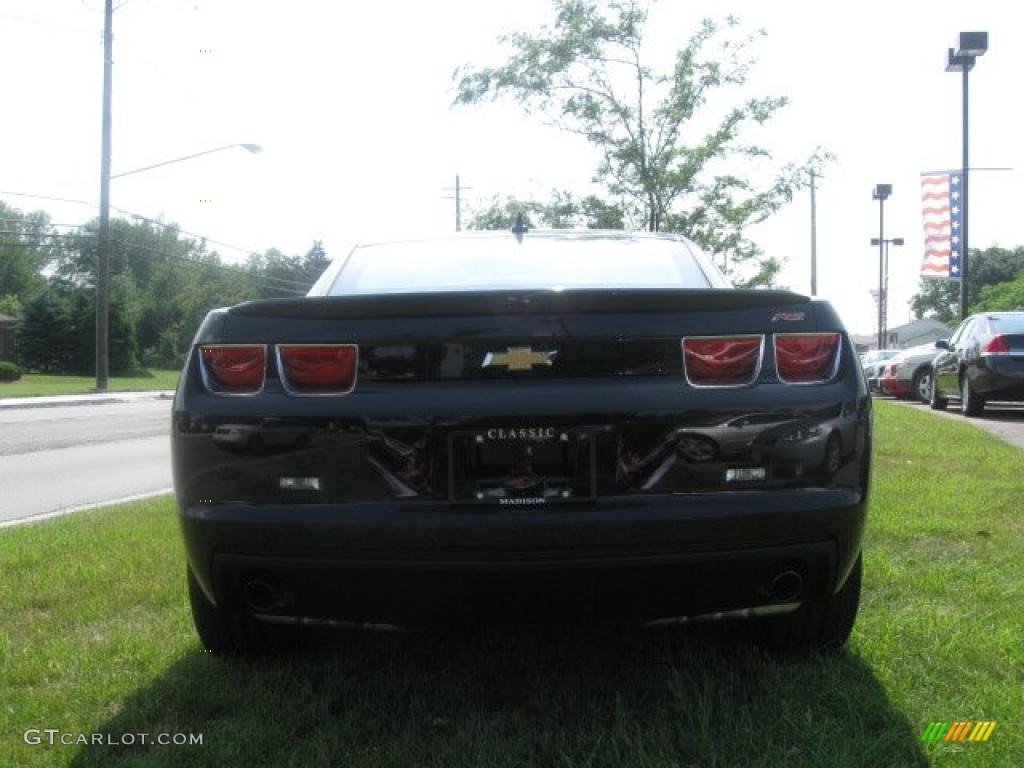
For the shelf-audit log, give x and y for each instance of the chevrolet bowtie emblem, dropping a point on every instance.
(519, 358)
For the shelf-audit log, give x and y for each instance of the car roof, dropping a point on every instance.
(1008, 313)
(531, 234)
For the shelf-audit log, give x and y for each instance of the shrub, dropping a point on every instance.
(9, 372)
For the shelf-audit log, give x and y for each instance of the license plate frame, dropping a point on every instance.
(521, 469)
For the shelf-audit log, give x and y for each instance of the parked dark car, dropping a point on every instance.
(909, 374)
(983, 360)
(580, 426)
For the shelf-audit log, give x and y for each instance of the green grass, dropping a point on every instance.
(95, 636)
(37, 384)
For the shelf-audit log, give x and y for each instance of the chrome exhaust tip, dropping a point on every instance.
(786, 587)
(261, 596)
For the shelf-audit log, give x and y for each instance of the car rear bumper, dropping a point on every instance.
(1000, 377)
(632, 559)
(895, 387)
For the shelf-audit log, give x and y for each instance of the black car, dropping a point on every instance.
(983, 360)
(580, 426)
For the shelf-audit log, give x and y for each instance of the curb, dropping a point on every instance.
(67, 400)
(40, 516)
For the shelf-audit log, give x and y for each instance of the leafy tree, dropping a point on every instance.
(589, 74)
(562, 212)
(162, 285)
(1002, 296)
(937, 298)
(10, 305)
(503, 215)
(45, 339)
(122, 341)
(25, 249)
(941, 298)
(315, 261)
(283, 273)
(57, 328)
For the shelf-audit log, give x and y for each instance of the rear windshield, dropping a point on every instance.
(481, 264)
(1006, 323)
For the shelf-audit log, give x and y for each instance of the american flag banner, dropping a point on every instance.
(943, 223)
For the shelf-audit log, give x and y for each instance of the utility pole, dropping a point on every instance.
(814, 240)
(458, 201)
(103, 240)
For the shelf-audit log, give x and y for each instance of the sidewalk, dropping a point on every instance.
(66, 400)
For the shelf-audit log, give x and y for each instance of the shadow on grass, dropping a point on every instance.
(518, 697)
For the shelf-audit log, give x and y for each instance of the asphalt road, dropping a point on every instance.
(56, 458)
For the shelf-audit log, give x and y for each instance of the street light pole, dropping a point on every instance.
(883, 294)
(965, 175)
(881, 193)
(972, 45)
(103, 240)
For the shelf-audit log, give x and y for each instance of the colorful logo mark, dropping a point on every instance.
(959, 730)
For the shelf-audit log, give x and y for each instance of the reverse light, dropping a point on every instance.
(996, 346)
(318, 369)
(722, 361)
(234, 369)
(806, 358)
(299, 483)
(745, 474)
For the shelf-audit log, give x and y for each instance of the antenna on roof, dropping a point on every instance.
(519, 228)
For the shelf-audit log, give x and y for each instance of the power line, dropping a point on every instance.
(240, 249)
(282, 284)
(46, 197)
(44, 23)
(46, 224)
(296, 283)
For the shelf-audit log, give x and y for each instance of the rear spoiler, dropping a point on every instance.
(520, 302)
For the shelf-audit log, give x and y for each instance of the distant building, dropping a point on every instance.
(911, 334)
(6, 337)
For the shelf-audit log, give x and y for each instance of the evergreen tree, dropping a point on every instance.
(46, 341)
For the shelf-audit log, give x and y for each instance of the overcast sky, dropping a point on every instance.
(351, 102)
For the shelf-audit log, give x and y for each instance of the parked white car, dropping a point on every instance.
(873, 362)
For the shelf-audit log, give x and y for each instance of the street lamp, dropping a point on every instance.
(253, 148)
(883, 292)
(881, 193)
(972, 45)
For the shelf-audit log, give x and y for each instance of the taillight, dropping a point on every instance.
(318, 369)
(806, 358)
(722, 361)
(997, 345)
(234, 369)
